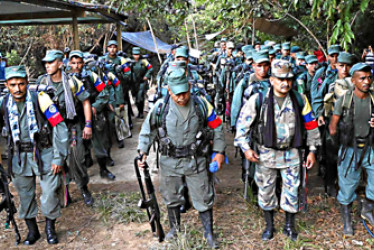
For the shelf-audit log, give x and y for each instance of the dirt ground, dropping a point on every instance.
(115, 222)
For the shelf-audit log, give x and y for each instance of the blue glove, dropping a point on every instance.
(213, 166)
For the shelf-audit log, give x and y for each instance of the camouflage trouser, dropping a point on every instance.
(266, 181)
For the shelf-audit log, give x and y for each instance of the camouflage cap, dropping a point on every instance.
(281, 69)
(286, 45)
(311, 59)
(346, 58)
(277, 46)
(301, 55)
(76, 53)
(15, 72)
(182, 52)
(178, 81)
(333, 49)
(272, 52)
(295, 49)
(230, 45)
(136, 51)
(52, 55)
(359, 67)
(247, 48)
(261, 56)
(112, 42)
(248, 55)
(263, 47)
(176, 64)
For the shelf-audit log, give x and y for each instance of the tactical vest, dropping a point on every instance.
(203, 137)
(262, 103)
(346, 124)
(43, 138)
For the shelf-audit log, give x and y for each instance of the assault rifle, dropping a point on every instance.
(149, 201)
(8, 204)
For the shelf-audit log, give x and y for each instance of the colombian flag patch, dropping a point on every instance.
(213, 120)
(99, 85)
(54, 117)
(310, 121)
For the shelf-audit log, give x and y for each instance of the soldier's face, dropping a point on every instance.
(311, 67)
(261, 69)
(223, 46)
(332, 58)
(257, 47)
(136, 57)
(229, 51)
(281, 85)
(112, 50)
(182, 59)
(343, 70)
(271, 58)
(300, 62)
(76, 64)
(362, 81)
(53, 67)
(182, 98)
(285, 52)
(17, 88)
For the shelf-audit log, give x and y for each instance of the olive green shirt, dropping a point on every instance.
(362, 114)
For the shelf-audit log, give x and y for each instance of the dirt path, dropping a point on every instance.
(116, 223)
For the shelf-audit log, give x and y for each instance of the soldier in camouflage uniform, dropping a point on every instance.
(181, 120)
(330, 147)
(119, 103)
(99, 98)
(353, 118)
(250, 85)
(305, 80)
(141, 72)
(72, 100)
(277, 119)
(38, 147)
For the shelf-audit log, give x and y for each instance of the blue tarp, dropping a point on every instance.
(144, 40)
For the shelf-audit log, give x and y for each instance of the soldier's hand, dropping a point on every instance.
(121, 107)
(310, 160)
(87, 133)
(220, 159)
(145, 78)
(111, 107)
(94, 112)
(321, 121)
(56, 169)
(251, 156)
(371, 122)
(141, 163)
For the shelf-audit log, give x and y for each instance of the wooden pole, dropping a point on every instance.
(75, 33)
(154, 40)
(188, 37)
(195, 33)
(119, 36)
(253, 29)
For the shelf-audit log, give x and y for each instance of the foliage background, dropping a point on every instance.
(347, 22)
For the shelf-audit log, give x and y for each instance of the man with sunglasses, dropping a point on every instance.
(354, 113)
(270, 132)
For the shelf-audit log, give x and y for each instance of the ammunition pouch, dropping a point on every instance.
(43, 137)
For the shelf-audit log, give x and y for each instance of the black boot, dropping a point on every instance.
(121, 144)
(174, 221)
(289, 227)
(50, 231)
(109, 160)
(367, 211)
(331, 190)
(269, 230)
(187, 204)
(87, 197)
(88, 160)
(33, 234)
(207, 220)
(104, 172)
(347, 219)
